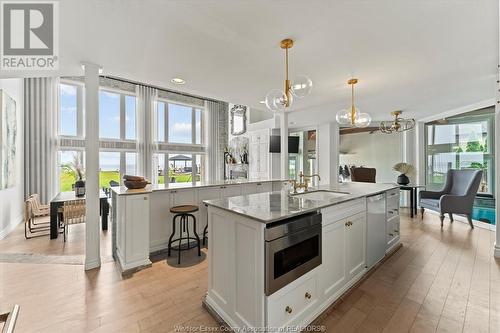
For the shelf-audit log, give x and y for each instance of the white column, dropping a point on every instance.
(420, 152)
(284, 144)
(497, 163)
(92, 235)
(328, 152)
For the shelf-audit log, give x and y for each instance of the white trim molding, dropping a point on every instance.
(10, 227)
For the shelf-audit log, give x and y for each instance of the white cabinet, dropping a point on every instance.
(333, 269)
(132, 246)
(259, 163)
(355, 244)
(343, 247)
(291, 306)
(264, 187)
(249, 189)
(230, 191)
(393, 219)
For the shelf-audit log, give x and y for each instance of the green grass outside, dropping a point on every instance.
(68, 179)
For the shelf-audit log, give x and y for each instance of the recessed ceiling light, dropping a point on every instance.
(262, 102)
(177, 80)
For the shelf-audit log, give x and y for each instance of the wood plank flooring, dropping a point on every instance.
(440, 281)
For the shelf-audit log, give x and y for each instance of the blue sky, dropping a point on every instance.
(180, 126)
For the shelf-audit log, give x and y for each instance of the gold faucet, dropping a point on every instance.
(304, 182)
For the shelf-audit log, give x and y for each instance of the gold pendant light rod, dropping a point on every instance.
(286, 44)
(279, 100)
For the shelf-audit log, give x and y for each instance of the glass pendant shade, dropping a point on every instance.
(301, 86)
(344, 117)
(276, 100)
(363, 120)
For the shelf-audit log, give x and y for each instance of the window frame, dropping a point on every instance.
(80, 110)
(489, 156)
(123, 115)
(193, 107)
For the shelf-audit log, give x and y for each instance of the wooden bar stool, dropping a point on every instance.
(183, 212)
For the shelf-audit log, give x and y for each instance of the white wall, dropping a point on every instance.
(377, 150)
(11, 199)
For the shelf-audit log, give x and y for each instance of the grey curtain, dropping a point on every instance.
(41, 102)
(217, 113)
(146, 106)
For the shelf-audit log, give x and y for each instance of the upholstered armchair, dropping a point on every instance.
(457, 196)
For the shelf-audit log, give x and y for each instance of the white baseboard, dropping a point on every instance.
(91, 264)
(460, 218)
(11, 226)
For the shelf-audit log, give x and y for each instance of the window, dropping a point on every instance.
(161, 121)
(179, 167)
(463, 142)
(130, 118)
(117, 116)
(131, 163)
(68, 112)
(109, 115)
(179, 124)
(180, 127)
(198, 138)
(69, 162)
(109, 168)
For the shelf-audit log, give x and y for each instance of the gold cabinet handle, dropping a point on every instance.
(288, 309)
(346, 224)
(307, 295)
(391, 235)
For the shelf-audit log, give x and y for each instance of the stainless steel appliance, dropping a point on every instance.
(375, 232)
(293, 248)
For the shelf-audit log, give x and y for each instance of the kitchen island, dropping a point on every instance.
(142, 222)
(278, 261)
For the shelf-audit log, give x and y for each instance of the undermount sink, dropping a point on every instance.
(321, 195)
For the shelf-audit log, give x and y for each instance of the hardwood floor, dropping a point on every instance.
(440, 281)
(74, 246)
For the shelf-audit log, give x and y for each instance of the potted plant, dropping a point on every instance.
(405, 170)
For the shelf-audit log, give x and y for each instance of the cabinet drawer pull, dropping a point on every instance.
(391, 235)
(395, 231)
(288, 309)
(307, 295)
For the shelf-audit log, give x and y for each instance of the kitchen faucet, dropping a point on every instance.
(304, 181)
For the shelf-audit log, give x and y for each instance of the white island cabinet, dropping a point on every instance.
(143, 223)
(237, 257)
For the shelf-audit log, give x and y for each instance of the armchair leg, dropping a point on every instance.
(422, 210)
(451, 217)
(441, 217)
(469, 218)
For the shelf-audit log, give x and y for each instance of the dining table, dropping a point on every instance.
(58, 201)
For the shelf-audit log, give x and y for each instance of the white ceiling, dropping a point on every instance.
(422, 56)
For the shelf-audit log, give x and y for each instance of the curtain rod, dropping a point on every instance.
(160, 88)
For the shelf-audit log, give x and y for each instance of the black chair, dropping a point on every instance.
(184, 212)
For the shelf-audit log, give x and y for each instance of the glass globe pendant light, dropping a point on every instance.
(353, 116)
(279, 100)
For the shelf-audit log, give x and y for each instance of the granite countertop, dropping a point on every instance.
(122, 190)
(274, 206)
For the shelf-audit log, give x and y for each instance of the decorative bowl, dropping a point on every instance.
(135, 184)
(133, 178)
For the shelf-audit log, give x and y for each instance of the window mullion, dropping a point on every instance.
(193, 127)
(122, 117)
(166, 115)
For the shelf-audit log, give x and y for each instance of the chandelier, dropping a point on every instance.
(353, 117)
(397, 125)
(279, 100)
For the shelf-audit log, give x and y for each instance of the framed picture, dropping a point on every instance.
(8, 136)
